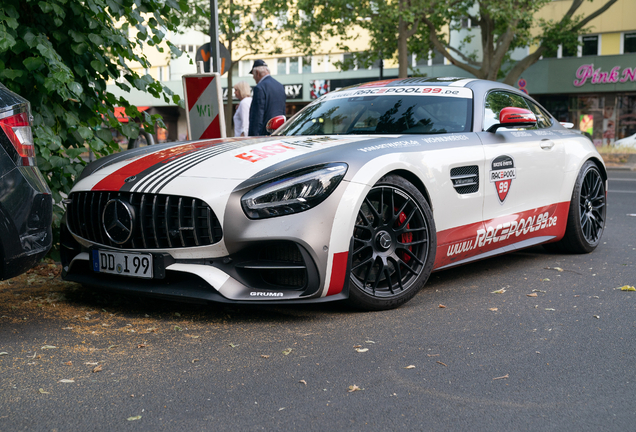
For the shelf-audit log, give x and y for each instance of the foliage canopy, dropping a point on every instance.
(60, 54)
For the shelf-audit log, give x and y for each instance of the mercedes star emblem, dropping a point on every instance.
(117, 220)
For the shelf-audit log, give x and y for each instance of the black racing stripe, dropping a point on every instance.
(159, 182)
(148, 174)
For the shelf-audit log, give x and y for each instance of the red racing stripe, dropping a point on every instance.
(338, 273)
(115, 181)
(459, 243)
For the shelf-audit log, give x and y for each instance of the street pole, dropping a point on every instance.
(214, 37)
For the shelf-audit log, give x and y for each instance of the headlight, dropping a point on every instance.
(293, 193)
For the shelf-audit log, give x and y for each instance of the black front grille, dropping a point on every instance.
(160, 221)
(465, 179)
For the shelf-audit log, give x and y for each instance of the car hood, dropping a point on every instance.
(230, 161)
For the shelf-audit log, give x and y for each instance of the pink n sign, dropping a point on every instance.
(596, 76)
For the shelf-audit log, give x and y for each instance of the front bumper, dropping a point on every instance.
(275, 271)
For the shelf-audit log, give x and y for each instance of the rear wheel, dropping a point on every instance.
(586, 218)
(394, 244)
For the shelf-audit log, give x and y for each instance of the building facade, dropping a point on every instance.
(594, 88)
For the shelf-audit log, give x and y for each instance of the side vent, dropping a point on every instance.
(465, 179)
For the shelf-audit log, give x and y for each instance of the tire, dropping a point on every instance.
(586, 218)
(394, 242)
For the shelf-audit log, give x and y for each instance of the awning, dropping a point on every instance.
(120, 113)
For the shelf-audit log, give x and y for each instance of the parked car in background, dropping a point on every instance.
(25, 199)
(629, 141)
(359, 196)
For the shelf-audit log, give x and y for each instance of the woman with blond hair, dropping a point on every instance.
(241, 118)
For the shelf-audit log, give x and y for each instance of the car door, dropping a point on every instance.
(524, 170)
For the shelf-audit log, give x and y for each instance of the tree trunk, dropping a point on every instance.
(403, 55)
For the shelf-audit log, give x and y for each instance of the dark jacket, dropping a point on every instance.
(268, 101)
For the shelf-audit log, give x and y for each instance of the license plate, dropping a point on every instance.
(123, 263)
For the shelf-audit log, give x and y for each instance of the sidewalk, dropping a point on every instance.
(621, 162)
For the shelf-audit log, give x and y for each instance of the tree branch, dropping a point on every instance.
(593, 15)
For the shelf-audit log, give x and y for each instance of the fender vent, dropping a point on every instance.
(465, 179)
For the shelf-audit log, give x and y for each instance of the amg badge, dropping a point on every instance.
(502, 173)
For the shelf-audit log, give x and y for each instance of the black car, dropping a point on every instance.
(25, 199)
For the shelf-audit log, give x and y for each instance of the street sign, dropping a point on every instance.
(203, 54)
(204, 113)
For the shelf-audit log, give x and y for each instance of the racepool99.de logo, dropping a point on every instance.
(502, 173)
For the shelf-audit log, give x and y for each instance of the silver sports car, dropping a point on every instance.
(358, 197)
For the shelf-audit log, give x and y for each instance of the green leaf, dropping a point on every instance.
(98, 66)
(6, 41)
(85, 132)
(97, 40)
(32, 63)
(11, 74)
(76, 88)
(45, 6)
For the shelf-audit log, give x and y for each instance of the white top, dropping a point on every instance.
(242, 117)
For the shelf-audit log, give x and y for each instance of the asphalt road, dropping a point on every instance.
(560, 360)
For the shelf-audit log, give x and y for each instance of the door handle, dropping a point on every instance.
(547, 144)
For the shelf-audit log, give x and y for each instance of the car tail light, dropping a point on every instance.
(17, 127)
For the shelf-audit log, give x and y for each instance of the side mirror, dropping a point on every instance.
(511, 117)
(274, 123)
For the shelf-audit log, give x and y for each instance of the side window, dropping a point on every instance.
(543, 118)
(498, 100)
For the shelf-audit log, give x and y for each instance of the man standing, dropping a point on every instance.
(268, 99)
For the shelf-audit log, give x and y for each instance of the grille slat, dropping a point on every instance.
(465, 179)
(160, 221)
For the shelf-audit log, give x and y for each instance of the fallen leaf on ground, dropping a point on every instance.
(597, 317)
(69, 363)
(286, 351)
(628, 288)
(177, 314)
(152, 329)
(441, 306)
(549, 309)
(432, 355)
(66, 381)
(264, 356)
(541, 291)
(362, 350)
(545, 280)
(67, 328)
(193, 336)
(134, 418)
(493, 309)
(499, 291)
(49, 347)
(532, 295)
(141, 346)
(410, 367)
(353, 388)
(303, 382)
(195, 360)
(43, 392)
(443, 364)
(4, 353)
(91, 364)
(113, 346)
(357, 346)
(233, 345)
(177, 328)
(97, 369)
(369, 341)
(502, 377)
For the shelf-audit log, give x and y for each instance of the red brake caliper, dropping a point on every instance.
(405, 238)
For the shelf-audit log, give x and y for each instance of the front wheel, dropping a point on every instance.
(586, 218)
(394, 243)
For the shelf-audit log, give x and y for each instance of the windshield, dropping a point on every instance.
(382, 114)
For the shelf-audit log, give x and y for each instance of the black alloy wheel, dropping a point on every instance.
(393, 245)
(592, 206)
(586, 218)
